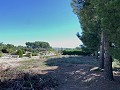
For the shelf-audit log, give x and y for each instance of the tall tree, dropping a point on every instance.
(105, 14)
(102, 51)
(89, 23)
(38, 46)
(109, 13)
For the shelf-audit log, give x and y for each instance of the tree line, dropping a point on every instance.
(34, 47)
(100, 23)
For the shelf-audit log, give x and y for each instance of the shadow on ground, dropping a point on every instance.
(72, 73)
(75, 74)
(28, 81)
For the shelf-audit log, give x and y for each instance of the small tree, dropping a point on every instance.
(20, 53)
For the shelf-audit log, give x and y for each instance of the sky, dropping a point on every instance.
(39, 20)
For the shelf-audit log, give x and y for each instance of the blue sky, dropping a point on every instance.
(38, 20)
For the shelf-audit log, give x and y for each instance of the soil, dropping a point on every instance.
(61, 73)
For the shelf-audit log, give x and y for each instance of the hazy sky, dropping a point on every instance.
(38, 20)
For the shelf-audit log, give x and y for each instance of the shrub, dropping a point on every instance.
(34, 54)
(1, 54)
(5, 51)
(75, 52)
(20, 53)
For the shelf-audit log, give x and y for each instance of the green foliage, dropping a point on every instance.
(50, 49)
(7, 48)
(20, 53)
(1, 46)
(87, 50)
(10, 48)
(38, 44)
(115, 52)
(91, 40)
(77, 48)
(102, 16)
(75, 52)
(110, 22)
(33, 47)
(96, 16)
(4, 51)
(89, 24)
(34, 54)
(1, 54)
(21, 48)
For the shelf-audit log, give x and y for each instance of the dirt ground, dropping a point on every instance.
(58, 73)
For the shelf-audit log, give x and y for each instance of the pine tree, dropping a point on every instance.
(104, 16)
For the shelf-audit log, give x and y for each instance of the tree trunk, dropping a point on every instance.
(108, 60)
(102, 51)
(96, 54)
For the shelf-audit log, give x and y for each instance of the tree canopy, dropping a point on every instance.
(38, 44)
(100, 19)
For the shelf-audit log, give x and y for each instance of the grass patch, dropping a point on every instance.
(28, 64)
(69, 60)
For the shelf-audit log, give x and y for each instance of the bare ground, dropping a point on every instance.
(59, 73)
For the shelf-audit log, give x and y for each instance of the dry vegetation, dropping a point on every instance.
(58, 73)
